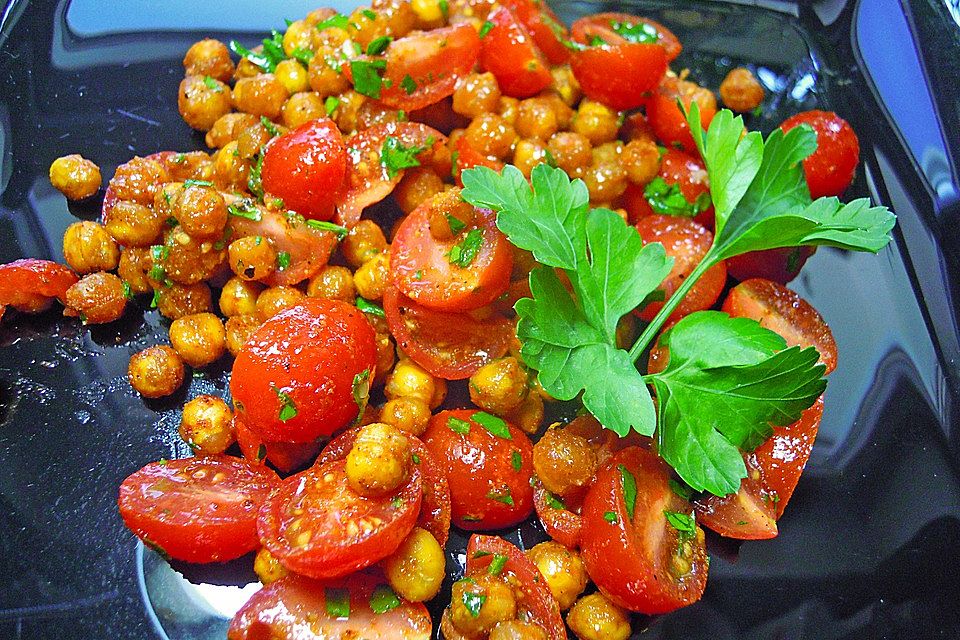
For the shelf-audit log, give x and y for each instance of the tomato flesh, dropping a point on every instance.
(829, 170)
(690, 176)
(783, 457)
(509, 53)
(609, 27)
(29, 284)
(561, 523)
(468, 157)
(600, 70)
(285, 456)
(668, 121)
(197, 509)
(780, 265)
(544, 27)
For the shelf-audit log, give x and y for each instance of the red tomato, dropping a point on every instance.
(747, 514)
(468, 158)
(689, 174)
(421, 267)
(830, 169)
(317, 526)
(601, 70)
(425, 66)
(561, 521)
(665, 116)
(633, 561)
(285, 456)
(544, 27)
(369, 180)
(305, 168)
(687, 242)
(295, 607)
(509, 53)
(296, 378)
(435, 509)
(489, 475)
(29, 284)
(452, 346)
(197, 509)
(621, 28)
(784, 312)
(780, 265)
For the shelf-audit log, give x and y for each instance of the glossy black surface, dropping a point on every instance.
(869, 545)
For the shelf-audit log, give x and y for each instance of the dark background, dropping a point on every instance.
(869, 546)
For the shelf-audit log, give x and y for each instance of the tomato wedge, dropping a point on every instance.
(643, 563)
(561, 521)
(748, 514)
(29, 284)
(317, 526)
(509, 53)
(368, 179)
(451, 346)
(285, 456)
(668, 121)
(544, 27)
(690, 176)
(468, 158)
(298, 608)
(620, 28)
(197, 509)
(780, 265)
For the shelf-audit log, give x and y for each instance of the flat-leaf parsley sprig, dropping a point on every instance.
(728, 379)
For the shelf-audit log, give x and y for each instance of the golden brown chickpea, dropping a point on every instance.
(348, 110)
(417, 186)
(499, 386)
(292, 75)
(231, 171)
(507, 109)
(409, 380)
(562, 569)
(333, 37)
(180, 300)
(417, 568)
(166, 200)
(186, 260)
(97, 298)
(251, 140)
(207, 425)
(373, 276)
(598, 122)
(239, 329)
(199, 338)
(517, 630)
(335, 283)
(476, 94)
(133, 267)
(641, 161)
(491, 135)
(379, 462)
(201, 212)
(499, 605)
(133, 225)
(253, 257)
(366, 25)
(239, 297)
(594, 617)
(605, 180)
(155, 372)
(139, 180)
(87, 247)
(75, 177)
(564, 460)
(528, 154)
(537, 118)
(194, 165)
(398, 14)
(410, 415)
(261, 95)
(275, 299)
(566, 85)
(607, 152)
(364, 243)
(324, 72)
(228, 127)
(209, 58)
(202, 101)
(299, 35)
(302, 107)
(570, 151)
(741, 91)
(529, 415)
(386, 355)
(267, 567)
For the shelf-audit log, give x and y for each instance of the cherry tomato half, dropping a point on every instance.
(780, 265)
(829, 170)
(509, 53)
(600, 70)
(30, 284)
(747, 514)
(690, 176)
(197, 509)
(298, 377)
(560, 520)
(668, 121)
(620, 28)
(285, 456)
(544, 27)
(468, 157)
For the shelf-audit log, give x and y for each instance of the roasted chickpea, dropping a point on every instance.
(209, 58)
(132, 224)
(529, 415)
(491, 135)
(562, 569)
(251, 140)
(417, 568)
(380, 461)
(261, 95)
(517, 630)
(247, 69)
(499, 605)
(253, 257)
(239, 297)
(536, 118)
(155, 372)
(409, 380)
(347, 112)
(231, 171)
(428, 12)
(292, 75)
(133, 267)
(364, 242)
(75, 177)
(593, 617)
(186, 260)
(193, 165)
(239, 329)
(570, 151)
(228, 127)
(596, 121)
(476, 94)
(324, 73)
(499, 386)
(528, 154)
(641, 161)
(417, 186)
(566, 85)
(302, 107)
(201, 212)
(199, 338)
(399, 16)
(564, 460)
(139, 180)
(202, 101)
(606, 180)
(741, 91)
(87, 247)
(410, 415)
(97, 298)
(335, 283)
(373, 276)
(275, 299)
(299, 35)
(386, 355)
(267, 567)
(507, 109)
(180, 300)
(207, 425)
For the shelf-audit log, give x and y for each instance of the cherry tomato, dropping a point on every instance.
(780, 265)
(544, 27)
(296, 608)
(784, 312)
(509, 53)
(285, 456)
(299, 376)
(489, 475)
(690, 176)
(197, 509)
(435, 507)
(317, 526)
(747, 514)
(560, 520)
(668, 121)
(830, 169)
(620, 28)
(687, 242)
(452, 346)
(369, 180)
(305, 168)
(643, 563)
(468, 157)
(29, 284)
(423, 267)
(600, 70)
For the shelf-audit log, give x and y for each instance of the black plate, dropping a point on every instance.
(869, 545)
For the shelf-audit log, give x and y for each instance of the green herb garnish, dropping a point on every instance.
(212, 84)
(367, 77)
(496, 426)
(330, 105)
(485, 28)
(463, 253)
(395, 156)
(497, 564)
(629, 484)
(368, 307)
(338, 602)
(668, 199)
(473, 602)
(378, 45)
(288, 410)
(408, 84)
(458, 426)
(245, 209)
(383, 599)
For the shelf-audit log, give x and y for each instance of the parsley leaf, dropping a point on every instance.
(497, 565)
(629, 484)
(288, 410)
(485, 28)
(383, 599)
(283, 260)
(368, 307)
(330, 105)
(473, 602)
(244, 209)
(378, 45)
(639, 32)
(367, 78)
(337, 20)
(684, 523)
(668, 199)
(463, 253)
(496, 426)
(337, 602)
(395, 156)
(458, 425)
(323, 225)
(408, 84)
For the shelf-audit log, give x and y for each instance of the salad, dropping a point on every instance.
(425, 227)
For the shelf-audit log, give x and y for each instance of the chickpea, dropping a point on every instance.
(641, 161)
(231, 171)
(366, 25)
(570, 151)
(132, 224)
(239, 329)
(410, 415)
(335, 283)
(566, 85)
(417, 568)
(324, 72)
(209, 58)
(594, 617)
(253, 257)
(227, 128)
(499, 386)
(386, 355)
(201, 212)
(155, 372)
(239, 297)
(348, 110)
(75, 177)
(267, 567)
(247, 69)
(398, 15)
(97, 298)
(275, 299)
(364, 242)
(491, 135)
(330, 36)
(409, 380)
(251, 140)
(529, 415)
(476, 94)
(139, 180)
(564, 460)
(292, 75)
(207, 425)
(528, 154)
(302, 107)
(299, 35)
(500, 605)
(199, 338)
(507, 108)
(517, 630)
(180, 300)
(428, 12)
(133, 267)
(87, 247)
(373, 276)
(261, 95)
(562, 569)
(537, 118)
(606, 180)
(202, 101)
(193, 165)
(596, 121)
(379, 462)
(416, 187)
(741, 91)
(186, 260)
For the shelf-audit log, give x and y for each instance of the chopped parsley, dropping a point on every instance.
(553, 501)
(283, 260)
(330, 105)
(629, 484)
(458, 425)
(383, 599)
(496, 426)
(502, 496)
(196, 183)
(473, 602)
(681, 489)
(254, 183)
(323, 225)
(368, 307)
(395, 156)
(497, 565)
(288, 410)
(127, 291)
(361, 390)
(668, 199)
(338, 602)
(269, 126)
(485, 28)
(261, 452)
(378, 45)
(611, 517)
(245, 209)
(639, 32)
(463, 253)
(212, 84)
(516, 461)
(682, 522)
(456, 224)
(369, 14)
(303, 56)
(408, 84)
(367, 77)
(337, 21)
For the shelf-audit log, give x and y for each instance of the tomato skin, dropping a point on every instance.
(563, 525)
(285, 456)
(600, 71)
(306, 167)
(452, 346)
(540, 21)
(307, 356)
(665, 116)
(687, 242)
(630, 560)
(747, 514)
(600, 24)
(294, 607)
(341, 537)
(783, 457)
(197, 509)
(468, 157)
(478, 465)
(829, 170)
(30, 283)
(509, 53)
(780, 265)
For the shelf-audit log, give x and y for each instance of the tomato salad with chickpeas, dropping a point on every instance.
(419, 226)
